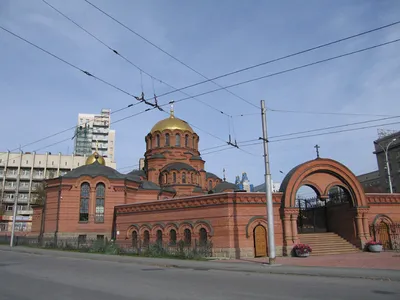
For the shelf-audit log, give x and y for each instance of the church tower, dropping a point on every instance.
(172, 158)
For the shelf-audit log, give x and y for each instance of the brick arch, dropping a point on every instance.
(144, 227)
(157, 226)
(315, 187)
(253, 223)
(130, 229)
(93, 181)
(204, 224)
(302, 173)
(183, 226)
(382, 217)
(170, 226)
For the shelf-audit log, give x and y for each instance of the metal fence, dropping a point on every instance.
(387, 234)
(194, 250)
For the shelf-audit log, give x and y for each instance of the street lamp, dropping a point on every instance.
(385, 150)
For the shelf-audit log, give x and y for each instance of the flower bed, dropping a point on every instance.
(302, 250)
(374, 246)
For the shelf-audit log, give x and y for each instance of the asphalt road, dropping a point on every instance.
(30, 277)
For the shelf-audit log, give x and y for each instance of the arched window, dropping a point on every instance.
(84, 204)
(194, 143)
(191, 178)
(134, 239)
(167, 139)
(186, 140)
(100, 197)
(177, 140)
(183, 177)
(203, 236)
(174, 177)
(172, 237)
(159, 237)
(150, 143)
(187, 237)
(165, 178)
(157, 140)
(210, 184)
(146, 238)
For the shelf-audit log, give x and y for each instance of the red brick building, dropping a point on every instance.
(173, 198)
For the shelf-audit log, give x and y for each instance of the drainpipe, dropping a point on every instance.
(58, 213)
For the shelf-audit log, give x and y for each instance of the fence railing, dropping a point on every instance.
(387, 234)
(195, 250)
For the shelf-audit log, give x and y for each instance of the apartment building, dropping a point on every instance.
(93, 133)
(21, 173)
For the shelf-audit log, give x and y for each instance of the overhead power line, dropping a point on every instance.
(306, 136)
(170, 55)
(244, 143)
(118, 53)
(328, 113)
(75, 67)
(289, 55)
(333, 127)
(215, 90)
(296, 68)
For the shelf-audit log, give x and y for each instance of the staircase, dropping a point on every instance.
(327, 243)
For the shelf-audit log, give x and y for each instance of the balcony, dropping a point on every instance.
(11, 175)
(9, 187)
(8, 200)
(25, 176)
(25, 212)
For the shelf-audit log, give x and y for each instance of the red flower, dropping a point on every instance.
(372, 242)
(302, 248)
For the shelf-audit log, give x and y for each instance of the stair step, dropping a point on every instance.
(327, 243)
(332, 247)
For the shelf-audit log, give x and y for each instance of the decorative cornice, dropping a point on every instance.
(383, 198)
(173, 204)
(66, 187)
(119, 188)
(198, 201)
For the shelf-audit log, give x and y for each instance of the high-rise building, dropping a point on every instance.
(21, 173)
(93, 133)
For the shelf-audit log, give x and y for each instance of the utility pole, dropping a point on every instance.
(268, 188)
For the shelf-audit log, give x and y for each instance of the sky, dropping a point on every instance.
(41, 96)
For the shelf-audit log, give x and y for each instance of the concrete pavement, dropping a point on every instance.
(28, 276)
(249, 267)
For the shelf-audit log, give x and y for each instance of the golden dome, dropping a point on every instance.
(172, 123)
(95, 157)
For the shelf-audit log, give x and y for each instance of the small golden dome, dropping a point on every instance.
(95, 157)
(172, 123)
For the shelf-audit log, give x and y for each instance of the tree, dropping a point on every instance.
(39, 196)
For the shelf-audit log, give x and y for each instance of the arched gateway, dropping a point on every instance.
(344, 214)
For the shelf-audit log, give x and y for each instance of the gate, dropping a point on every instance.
(260, 241)
(312, 216)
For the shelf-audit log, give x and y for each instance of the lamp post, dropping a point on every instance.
(385, 150)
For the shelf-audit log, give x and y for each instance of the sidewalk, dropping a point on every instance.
(361, 260)
(252, 266)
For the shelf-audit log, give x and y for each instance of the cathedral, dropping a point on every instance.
(174, 198)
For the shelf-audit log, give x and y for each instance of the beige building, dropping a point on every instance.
(32, 168)
(93, 133)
